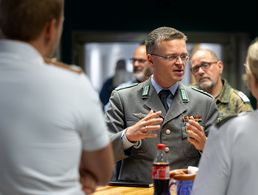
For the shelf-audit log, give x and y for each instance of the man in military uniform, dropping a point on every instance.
(155, 111)
(229, 156)
(207, 70)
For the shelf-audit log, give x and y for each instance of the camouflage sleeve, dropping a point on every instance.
(244, 107)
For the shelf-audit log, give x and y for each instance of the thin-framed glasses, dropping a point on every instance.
(204, 66)
(173, 58)
(140, 60)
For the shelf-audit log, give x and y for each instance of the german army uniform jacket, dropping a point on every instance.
(129, 105)
(231, 101)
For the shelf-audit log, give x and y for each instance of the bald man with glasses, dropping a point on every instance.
(207, 70)
(140, 63)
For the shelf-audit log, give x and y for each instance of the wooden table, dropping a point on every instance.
(121, 190)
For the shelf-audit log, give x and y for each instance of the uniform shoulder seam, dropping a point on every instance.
(201, 91)
(71, 68)
(125, 87)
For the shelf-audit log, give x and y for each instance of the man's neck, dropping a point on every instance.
(39, 46)
(215, 91)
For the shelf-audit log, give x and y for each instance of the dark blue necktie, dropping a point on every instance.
(163, 95)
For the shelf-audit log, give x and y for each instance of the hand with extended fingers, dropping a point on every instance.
(145, 128)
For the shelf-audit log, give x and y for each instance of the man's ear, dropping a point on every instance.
(50, 31)
(149, 58)
(221, 66)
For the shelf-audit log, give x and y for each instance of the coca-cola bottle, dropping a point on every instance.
(160, 172)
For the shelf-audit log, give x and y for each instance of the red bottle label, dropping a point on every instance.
(160, 171)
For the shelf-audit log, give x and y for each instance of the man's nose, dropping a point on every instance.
(179, 60)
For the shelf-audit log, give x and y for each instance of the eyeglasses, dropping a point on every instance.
(140, 60)
(204, 66)
(173, 58)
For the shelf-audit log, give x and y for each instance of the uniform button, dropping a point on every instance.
(167, 149)
(168, 131)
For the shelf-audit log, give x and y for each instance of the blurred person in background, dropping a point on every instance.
(229, 161)
(52, 130)
(120, 76)
(207, 70)
(140, 62)
(141, 68)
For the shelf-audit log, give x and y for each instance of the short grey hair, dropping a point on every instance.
(155, 37)
(212, 54)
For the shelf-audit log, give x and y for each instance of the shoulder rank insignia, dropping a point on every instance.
(243, 96)
(201, 91)
(72, 68)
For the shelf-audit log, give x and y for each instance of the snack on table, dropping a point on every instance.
(181, 174)
(197, 118)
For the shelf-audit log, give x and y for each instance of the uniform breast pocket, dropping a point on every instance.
(134, 118)
(179, 126)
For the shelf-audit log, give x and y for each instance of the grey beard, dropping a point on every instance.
(207, 86)
(139, 76)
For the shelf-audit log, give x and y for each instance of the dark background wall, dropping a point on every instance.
(145, 15)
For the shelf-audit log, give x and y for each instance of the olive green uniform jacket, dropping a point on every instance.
(231, 101)
(129, 105)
